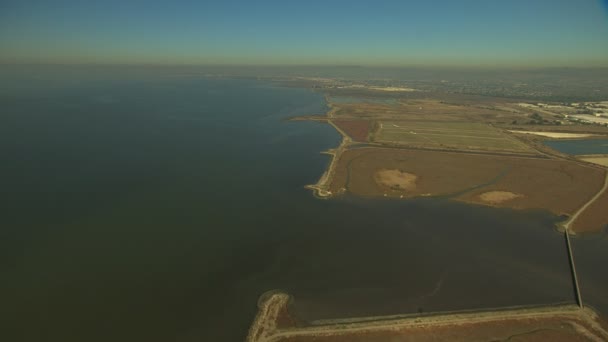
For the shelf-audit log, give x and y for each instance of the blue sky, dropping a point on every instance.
(471, 33)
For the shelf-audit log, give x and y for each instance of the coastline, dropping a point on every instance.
(332, 183)
(321, 187)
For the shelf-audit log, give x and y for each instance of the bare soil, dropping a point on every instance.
(601, 160)
(495, 197)
(395, 179)
(556, 135)
(594, 218)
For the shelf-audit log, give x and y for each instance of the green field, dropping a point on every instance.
(458, 135)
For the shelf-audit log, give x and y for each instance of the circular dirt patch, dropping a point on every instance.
(396, 179)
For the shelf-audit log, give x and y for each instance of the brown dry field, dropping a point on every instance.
(560, 186)
(446, 135)
(358, 130)
(429, 109)
(595, 218)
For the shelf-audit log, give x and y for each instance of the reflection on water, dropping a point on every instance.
(163, 214)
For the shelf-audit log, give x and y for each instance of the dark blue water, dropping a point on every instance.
(578, 147)
(159, 207)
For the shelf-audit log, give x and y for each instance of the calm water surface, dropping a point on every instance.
(576, 147)
(149, 208)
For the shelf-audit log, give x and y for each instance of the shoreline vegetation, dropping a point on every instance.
(403, 149)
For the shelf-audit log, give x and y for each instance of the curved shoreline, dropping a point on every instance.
(326, 188)
(321, 187)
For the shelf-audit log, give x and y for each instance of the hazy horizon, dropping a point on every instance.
(515, 34)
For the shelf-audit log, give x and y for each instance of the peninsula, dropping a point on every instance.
(406, 144)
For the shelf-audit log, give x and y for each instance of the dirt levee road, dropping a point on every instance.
(546, 323)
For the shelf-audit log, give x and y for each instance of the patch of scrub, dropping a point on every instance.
(495, 197)
(396, 179)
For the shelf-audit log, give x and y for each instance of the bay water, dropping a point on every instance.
(159, 208)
